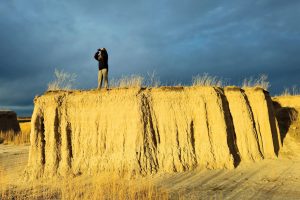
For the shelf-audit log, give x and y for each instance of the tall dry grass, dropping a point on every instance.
(207, 80)
(112, 187)
(85, 188)
(65, 81)
(261, 81)
(294, 90)
(62, 80)
(22, 137)
(133, 80)
(152, 79)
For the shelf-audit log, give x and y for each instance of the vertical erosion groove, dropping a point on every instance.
(179, 153)
(57, 137)
(209, 132)
(69, 144)
(37, 157)
(150, 140)
(231, 136)
(192, 140)
(273, 124)
(41, 134)
(257, 135)
(258, 99)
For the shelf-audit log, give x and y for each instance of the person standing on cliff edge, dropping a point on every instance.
(102, 57)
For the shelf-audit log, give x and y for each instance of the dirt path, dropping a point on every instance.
(268, 179)
(13, 160)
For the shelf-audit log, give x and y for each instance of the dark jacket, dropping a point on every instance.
(102, 59)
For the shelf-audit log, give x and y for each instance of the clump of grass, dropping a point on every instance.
(206, 80)
(136, 80)
(291, 91)
(152, 79)
(261, 81)
(131, 81)
(127, 81)
(62, 80)
(22, 137)
(113, 188)
(8, 137)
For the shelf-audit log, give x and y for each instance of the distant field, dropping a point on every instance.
(24, 119)
(24, 136)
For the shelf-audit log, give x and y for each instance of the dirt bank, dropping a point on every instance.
(287, 112)
(147, 131)
(9, 122)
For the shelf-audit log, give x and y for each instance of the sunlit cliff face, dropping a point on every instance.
(146, 131)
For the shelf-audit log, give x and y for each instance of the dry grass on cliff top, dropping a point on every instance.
(293, 91)
(65, 81)
(199, 80)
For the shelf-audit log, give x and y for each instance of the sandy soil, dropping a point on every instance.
(13, 160)
(268, 179)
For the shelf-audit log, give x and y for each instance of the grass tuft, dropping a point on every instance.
(206, 80)
(127, 81)
(291, 91)
(152, 79)
(62, 81)
(261, 81)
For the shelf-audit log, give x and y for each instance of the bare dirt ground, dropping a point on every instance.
(13, 160)
(268, 179)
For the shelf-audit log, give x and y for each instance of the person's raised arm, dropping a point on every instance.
(96, 55)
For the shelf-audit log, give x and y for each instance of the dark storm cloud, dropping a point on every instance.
(230, 39)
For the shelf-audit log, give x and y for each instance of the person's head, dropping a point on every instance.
(102, 50)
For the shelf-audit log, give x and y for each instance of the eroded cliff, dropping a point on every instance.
(146, 131)
(9, 122)
(287, 110)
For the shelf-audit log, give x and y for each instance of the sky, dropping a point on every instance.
(177, 40)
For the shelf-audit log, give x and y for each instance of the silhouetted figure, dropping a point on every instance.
(102, 57)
